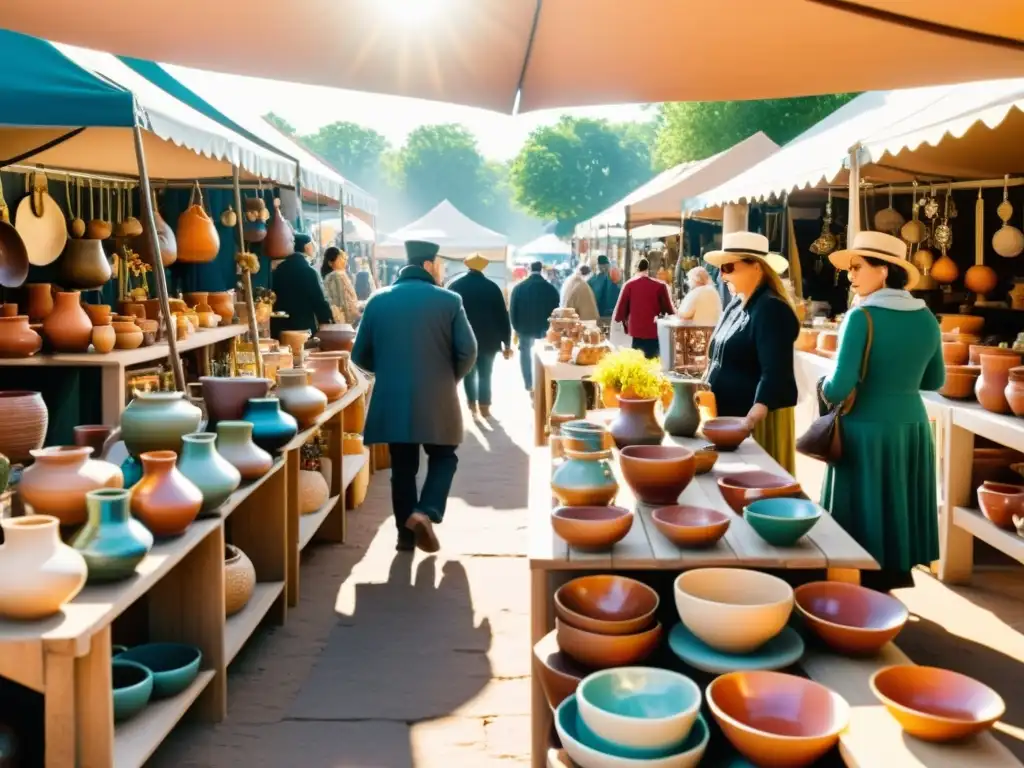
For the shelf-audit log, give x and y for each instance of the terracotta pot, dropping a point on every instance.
(272, 428)
(313, 491)
(164, 499)
(210, 472)
(960, 381)
(166, 241)
(40, 573)
(197, 238)
(585, 480)
(234, 443)
(223, 304)
(239, 579)
(975, 351)
(298, 397)
(153, 311)
(955, 353)
(58, 480)
(112, 542)
(351, 444)
(1014, 391)
(327, 374)
(156, 421)
(40, 301)
(9, 310)
(991, 385)
(133, 309)
(336, 337)
(92, 436)
(104, 339)
(347, 370)
(636, 424)
(226, 396)
(25, 423)
(17, 339)
(99, 314)
(595, 528)
(127, 335)
(67, 327)
(198, 300)
(609, 397)
(1000, 502)
(657, 473)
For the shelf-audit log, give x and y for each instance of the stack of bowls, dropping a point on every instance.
(634, 716)
(606, 621)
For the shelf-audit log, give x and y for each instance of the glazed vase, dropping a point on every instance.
(990, 387)
(67, 327)
(326, 374)
(570, 398)
(57, 482)
(164, 499)
(1014, 391)
(272, 428)
(585, 479)
(636, 424)
(131, 468)
(40, 573)
(94, 436)
(156, 421)
(225, 397)
(112, 541)
(40, 301)
(17, 339)
(104, 338)
(210, 472)
(25, 422)
(235, 445)
(239, 579)
(682, 419)
(300, 398)
(313, 491)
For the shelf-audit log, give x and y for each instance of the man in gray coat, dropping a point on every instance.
(415, 339)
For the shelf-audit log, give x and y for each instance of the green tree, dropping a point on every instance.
(694, 130)
(280, 123)
(357, 152)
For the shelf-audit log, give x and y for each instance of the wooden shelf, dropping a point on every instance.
(240, 627)
(973, 521)
(245, 491)
(1005, 430)
(137, 739)
(351, 464)
(310, 524)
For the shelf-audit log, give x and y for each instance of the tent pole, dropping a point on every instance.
(149, 226)
(853, 215)
(250, 302)
(373, 254)
(627, 260)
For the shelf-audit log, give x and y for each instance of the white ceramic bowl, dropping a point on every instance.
(641, 708)
(733, 609)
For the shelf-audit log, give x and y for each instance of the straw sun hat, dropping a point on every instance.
(738, 246)
(878, 245)
(475, 261)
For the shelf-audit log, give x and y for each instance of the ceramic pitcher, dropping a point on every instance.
(570, 398)
(683, 416)
(112, 541)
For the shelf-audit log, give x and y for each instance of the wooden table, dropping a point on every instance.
(547, 369)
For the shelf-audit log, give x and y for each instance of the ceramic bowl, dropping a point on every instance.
(850, 618)
(606, 604)
(584, 749)
(782, 522)
(999, 502)
(705, 459)
(603, 651)
(936, 704)
(657, 473)
(133, 687)
(960, 381)
(691, 527)
(644, 710)
(733, 609)
(175, 666)
(777, 719)
(582, 435)
(971, 324)
(591, 527)
(783, 650)
(559, 673)
(726, 432)
(744, 488)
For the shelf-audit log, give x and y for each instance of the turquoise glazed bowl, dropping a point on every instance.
(133, 687)
(782, 521)
(272, 428)
(174, 665)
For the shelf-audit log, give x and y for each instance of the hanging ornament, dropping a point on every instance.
(826, 241)
(1008, 241)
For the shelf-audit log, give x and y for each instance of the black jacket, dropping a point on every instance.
(485, 307)
(532, 303)
(300, 293)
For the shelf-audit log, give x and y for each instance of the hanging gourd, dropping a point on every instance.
(254, 226)
(280, 242)
(198, 241)
(228, 218)
(164, 236)
(1008, 241)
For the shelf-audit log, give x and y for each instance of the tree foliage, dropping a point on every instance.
(280, 123)
(356, 151)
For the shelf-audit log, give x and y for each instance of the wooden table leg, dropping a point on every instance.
(540, 400)
(333, 529)
(292, 485)
(956, 546)
(540, 625)
(59, 713)
(94, 712)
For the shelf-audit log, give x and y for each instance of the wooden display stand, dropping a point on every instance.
(547, 369)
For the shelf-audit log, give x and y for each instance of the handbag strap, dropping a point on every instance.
(848, 405)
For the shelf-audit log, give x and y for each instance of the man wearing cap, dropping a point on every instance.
(642, 301)
(530, 307)
(606, 292)
(299, 291)
(488, 317)
(416, 340)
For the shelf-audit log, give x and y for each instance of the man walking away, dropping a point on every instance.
(531, 305)
(488, 317)
(606, 292)
(582, 297)
(642, 301)
(416, 340)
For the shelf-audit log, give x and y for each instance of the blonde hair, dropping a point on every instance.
(776, 286)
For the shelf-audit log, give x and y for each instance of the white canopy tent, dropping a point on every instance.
(356, 230)
(545, 245)
(456, 233)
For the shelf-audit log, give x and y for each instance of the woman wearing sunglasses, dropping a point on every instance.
(750, 361)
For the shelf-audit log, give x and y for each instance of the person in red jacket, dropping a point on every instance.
(643, 299)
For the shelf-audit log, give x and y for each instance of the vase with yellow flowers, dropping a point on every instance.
(627, 373)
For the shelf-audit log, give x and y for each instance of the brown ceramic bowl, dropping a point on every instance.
(977, 350)
(606, 604)
(970, 324)
(960, 380)
(559, 674)
(936, 704)
(726, 432)
(999, 502)
(954, 353)
(691, 527)
(604, 651)
(777, 719)
(705, 459)
(226, 397)
(850, 618)
(742, 489)
(336, 337)
(657, 473)
(591, 527)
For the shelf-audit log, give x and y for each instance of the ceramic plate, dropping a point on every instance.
(785, 649)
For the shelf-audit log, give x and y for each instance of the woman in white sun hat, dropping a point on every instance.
(750, 368)
(883, 490)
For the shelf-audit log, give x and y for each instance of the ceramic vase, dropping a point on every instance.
(683, 418)
(127, 335)
(210, 472)
(298, 397)
(67, 327)
(239, 579)
(84, 264)
(40, 301)
(164, 499)
(272, 428)
(40, 573)
(59, 479)
(99, 314)
(990, 387)
(1014, 391)
(234, 443)
(17, 339)
(225, 397)
(570, 398)
(326, 374)
(585, 479)
(156, 421)
(636, 424)
(104, 338)
(112, 541)
(25, 420)
(313, 491)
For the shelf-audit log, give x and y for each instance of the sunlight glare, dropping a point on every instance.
(414, 12)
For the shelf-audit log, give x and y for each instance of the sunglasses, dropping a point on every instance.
(729, 267)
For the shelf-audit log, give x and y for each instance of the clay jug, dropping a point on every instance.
(683, 417)
(103, 338)
(327, 374)
(112, 541)
(40, 573)
(165, 237)
(280, 240)
(25, 422)
(272, 428)
(40, 301)
(198, 241)
(298, 397)
(991, 385)
(234, 443)
(84, 265)
(67, 327)
(156, 421)
(585, 479)
(164, 499)
(211, 473)
(570, 398)
(635, 423)
(58, 480)
(17, 339)
(239, 579)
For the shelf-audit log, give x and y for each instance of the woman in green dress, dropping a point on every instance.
(883, 489)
